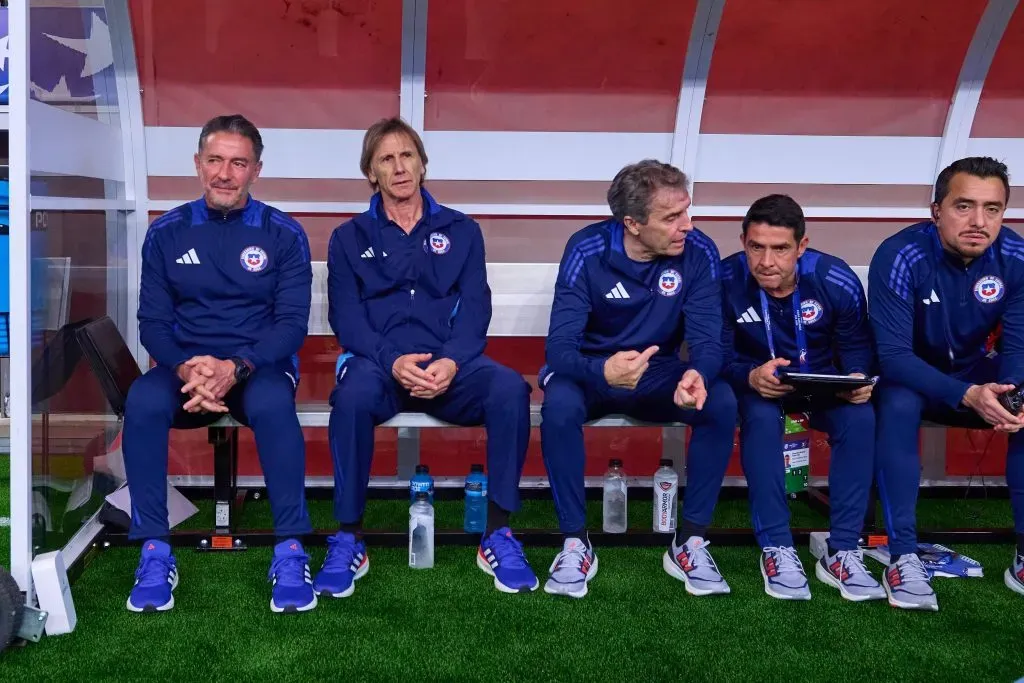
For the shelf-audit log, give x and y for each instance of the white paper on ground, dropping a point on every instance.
(179, 508)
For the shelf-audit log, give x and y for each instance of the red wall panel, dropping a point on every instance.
(1001, 109)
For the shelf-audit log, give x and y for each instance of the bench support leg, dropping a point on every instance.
(408, 451)
(225, 489)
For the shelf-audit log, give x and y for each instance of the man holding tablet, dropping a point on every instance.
(791, 313)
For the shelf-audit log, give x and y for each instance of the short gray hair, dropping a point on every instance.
(633, 187)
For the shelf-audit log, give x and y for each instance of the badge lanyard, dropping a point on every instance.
(801, 340)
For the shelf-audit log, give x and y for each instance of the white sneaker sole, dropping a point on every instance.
(168, 606)
(480, 562)
(828, 579)
(582, 592)
(291, 608)
(675, 572)
(781, 596)
(1010, 582)
(360, 573)
(896, 602)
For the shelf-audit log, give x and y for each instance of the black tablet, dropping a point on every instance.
(818, 382)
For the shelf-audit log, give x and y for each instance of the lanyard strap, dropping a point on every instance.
(798, 323)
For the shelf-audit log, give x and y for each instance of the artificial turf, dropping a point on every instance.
(448, 623)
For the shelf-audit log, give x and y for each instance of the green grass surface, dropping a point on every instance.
(448, 623)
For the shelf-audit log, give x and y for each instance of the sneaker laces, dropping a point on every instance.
(508, 550)
(912, 569)
(571, 558)
(786, 559)
(852, 562)
(153, 571)
(290, 570)
(340, 553)
(700, 557)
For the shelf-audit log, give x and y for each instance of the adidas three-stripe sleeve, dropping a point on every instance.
(891, 291)
(569, 312)
(156, 300)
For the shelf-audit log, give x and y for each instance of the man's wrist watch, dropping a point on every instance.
(242, 370)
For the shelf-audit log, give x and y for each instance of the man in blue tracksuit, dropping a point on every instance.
(630, 291)
(410, 306)
(947, 308)
(223, 310)
(787, 306)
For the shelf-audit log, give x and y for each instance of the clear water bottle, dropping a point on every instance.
(476, 501)
(421, 482)
(421, 533)
(614, 498)
(666, 488)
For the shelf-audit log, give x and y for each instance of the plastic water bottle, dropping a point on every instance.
(614, 498)
(666, 488)
(421, 482)
(476, 500)
(421, 533)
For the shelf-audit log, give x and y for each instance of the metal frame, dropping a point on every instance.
(21, 315)
(696, 66)
(414, 62)
(960, 118)
(129, 97)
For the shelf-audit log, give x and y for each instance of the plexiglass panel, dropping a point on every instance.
(1001, 109)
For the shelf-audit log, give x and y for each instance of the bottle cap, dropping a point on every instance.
(476, 468)
(615, 462)
(665, 462)
(422, 469)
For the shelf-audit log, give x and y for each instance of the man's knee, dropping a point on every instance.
(507, 387)
(755, 409)
(858, 419)
(564, 404)
(153, 398)
(720, 407)
(359, 391)
(898, 404)
(270, 400)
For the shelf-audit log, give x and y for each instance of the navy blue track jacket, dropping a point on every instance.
(225, 284)
(605, 303)
(426, 292)
(934, 318)
(832, 308)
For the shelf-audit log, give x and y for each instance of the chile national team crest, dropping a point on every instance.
(669, 282)
(810, 311)
(439, 243)
(253, 259)
(989, 289)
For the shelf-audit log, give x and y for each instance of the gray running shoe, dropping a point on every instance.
(846, 571)
(572, 569)
(692, 564)
(908, 585)
(784, 576)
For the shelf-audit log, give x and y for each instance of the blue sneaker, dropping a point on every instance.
(289, 572)
(346, 561)
(501, 556)
(155, 579)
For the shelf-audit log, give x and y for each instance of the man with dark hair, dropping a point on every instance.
(630, 291)
(410, 305)
(947, 308)
(787, 306)
(223, 310)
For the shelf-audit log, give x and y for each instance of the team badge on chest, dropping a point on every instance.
(810, 311)
(669, 282)
(989, 289)
(253, 259)
(438, 243)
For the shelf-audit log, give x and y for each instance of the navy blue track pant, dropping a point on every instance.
(265, 402)
(851, 434)
(898, 460)
(568, 405)
(482, 392)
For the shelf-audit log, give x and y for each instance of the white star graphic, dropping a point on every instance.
(97, 49)
(60, 93)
